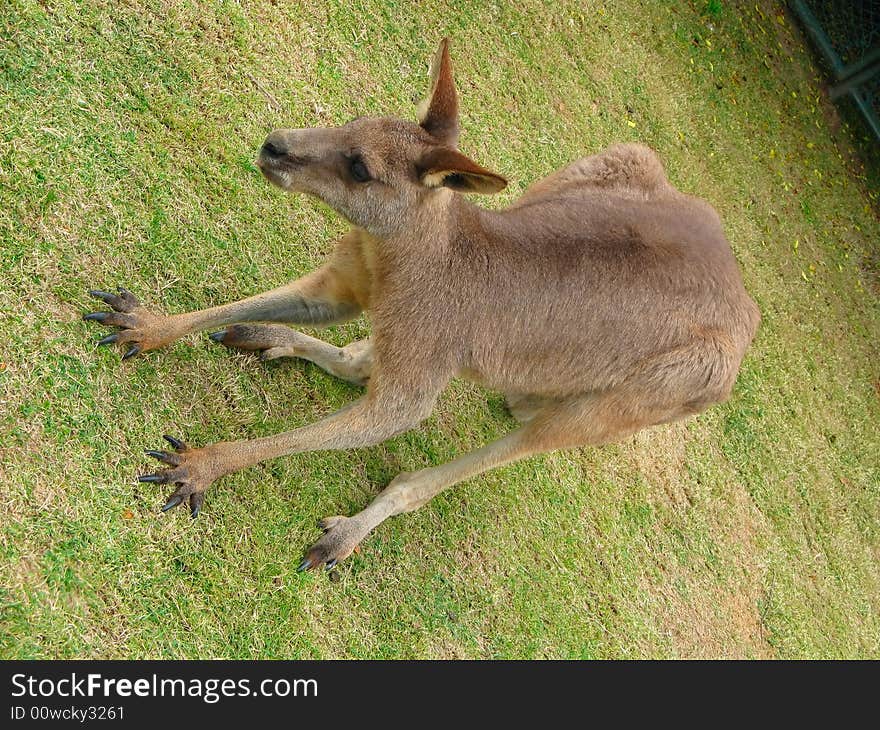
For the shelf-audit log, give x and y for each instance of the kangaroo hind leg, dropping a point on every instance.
(587, 420)
(524, 407)
(406, 493)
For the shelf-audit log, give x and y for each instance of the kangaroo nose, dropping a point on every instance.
(273, 148)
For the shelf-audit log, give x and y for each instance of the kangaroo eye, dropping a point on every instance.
(359, 170)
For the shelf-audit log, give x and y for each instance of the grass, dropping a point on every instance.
(128, 132)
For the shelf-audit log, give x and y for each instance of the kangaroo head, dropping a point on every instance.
(378, 172)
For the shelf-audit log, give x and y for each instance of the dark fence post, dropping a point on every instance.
(847, 35)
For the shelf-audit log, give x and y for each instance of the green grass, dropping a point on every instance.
(128, 132)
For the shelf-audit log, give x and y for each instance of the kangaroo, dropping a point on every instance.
(601, 302)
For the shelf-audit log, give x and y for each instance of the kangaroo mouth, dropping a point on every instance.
(272, 172)
(278, 166)
(276, 170)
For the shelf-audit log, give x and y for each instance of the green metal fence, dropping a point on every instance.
(847, 35)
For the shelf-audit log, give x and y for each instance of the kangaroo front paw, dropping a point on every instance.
(192, 471)
(141, 330)
(270, 340)
(341, 538)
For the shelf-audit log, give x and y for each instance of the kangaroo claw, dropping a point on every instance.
(175, 500)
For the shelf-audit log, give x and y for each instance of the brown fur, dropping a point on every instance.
(603, 301)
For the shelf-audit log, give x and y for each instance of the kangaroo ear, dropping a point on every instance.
(446, 167)
(438, 113)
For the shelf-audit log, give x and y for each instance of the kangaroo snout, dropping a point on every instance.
(278, 157)
(278, 145)
(272, 149)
